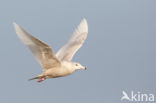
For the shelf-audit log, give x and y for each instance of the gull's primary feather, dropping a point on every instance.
(75, 42)
(42, 52)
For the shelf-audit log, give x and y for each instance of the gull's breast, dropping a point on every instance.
(57, 72)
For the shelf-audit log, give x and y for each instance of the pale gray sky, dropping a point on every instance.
(120, 51)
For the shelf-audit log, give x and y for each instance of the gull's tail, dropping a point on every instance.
(34, 78)
(37, 77)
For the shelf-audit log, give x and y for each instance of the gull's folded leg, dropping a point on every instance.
(42, 79)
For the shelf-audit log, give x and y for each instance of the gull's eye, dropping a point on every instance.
(76, 64)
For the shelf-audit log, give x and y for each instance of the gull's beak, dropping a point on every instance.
(84, 68)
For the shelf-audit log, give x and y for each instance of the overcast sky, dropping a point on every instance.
(119, 53)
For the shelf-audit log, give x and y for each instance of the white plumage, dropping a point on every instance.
(59, 65)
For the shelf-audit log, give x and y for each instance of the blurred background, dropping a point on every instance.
(120, 51)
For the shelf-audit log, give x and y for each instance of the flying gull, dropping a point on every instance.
(58, 65)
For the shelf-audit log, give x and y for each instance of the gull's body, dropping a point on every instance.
(58, 65)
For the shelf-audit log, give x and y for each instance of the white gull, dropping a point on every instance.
(58, 65)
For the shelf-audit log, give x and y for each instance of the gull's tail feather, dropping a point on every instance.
(34, 78)
(37, 77)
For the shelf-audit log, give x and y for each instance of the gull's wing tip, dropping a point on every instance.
(14, 23)
(84, 21)
(84, 25)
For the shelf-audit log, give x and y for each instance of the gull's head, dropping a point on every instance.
(73, 65)
(78, 66)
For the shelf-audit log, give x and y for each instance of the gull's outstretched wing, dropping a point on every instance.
(75, 42)
(42, 52)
